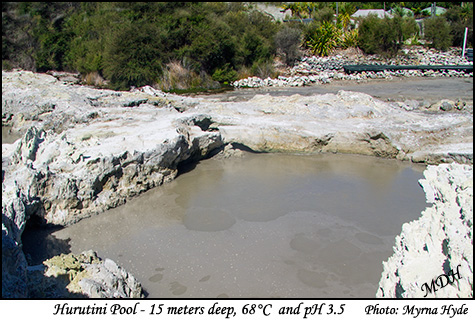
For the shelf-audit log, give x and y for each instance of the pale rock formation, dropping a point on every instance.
(439, 243)
(346, 122)
(83, 151)
(89, 276)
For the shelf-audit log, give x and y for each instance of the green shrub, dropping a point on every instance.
(225, 74)
(409, 29)
(379, 36)
(288, 41)
(179, 75)
(133, 57)
(324, 15)
(130, 43)
(350, 39)
(460, 18)
(437, 32)
(325, 39)
(53, 45)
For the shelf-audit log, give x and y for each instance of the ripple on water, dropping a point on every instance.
(156, 278)
(177, 289)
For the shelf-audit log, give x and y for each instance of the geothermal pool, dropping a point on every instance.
(261, 225)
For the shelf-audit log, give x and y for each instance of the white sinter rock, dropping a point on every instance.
(438, 244)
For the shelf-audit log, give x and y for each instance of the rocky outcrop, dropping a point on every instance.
(14, 269)
(433, 256)
(82, 160)
(83, 275)
(346, 122)
(83, 151)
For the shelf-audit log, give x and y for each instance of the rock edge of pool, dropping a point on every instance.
(85, 150)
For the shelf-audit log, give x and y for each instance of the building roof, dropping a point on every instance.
(365, 12)
(438, 10)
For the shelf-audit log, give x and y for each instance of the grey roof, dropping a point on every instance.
(365, 12)
(438, 10)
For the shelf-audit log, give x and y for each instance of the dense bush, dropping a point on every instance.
(196, 44)
(179, 75)
(460, 18)
(34, 36)
(133, 60)
(263, 69)
(385, 36)
(437, 32)
(132, 43)
(225, 74)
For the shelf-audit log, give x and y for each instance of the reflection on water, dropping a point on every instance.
(261, 226)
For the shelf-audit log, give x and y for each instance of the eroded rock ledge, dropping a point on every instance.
(84, 150)
(83, 275)
(439, 243)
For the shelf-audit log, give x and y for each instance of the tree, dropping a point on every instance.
(133, 56)
(437, 31)
(378, 36)
(459, 18)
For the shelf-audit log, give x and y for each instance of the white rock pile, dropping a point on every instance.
(322, 70)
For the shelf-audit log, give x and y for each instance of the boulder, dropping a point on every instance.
(443, 105)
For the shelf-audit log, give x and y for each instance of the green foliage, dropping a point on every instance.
(133, 57)
(300, 9)
(288, 41)
(325, 39)
(344, 15)
(34, 34)
(179, 75)
(131, 43)
(263, 69)
(350, 39)
(406, 27)
(376, 36)
(324, 15)
(460, 18)
(53, 44)
(225, 74)
(385, 36)
(437, 32)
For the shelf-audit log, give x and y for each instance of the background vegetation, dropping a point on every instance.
(182, 45)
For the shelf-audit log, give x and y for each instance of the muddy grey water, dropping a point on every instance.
(8, 136)
(263, 225)
(421, 89)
